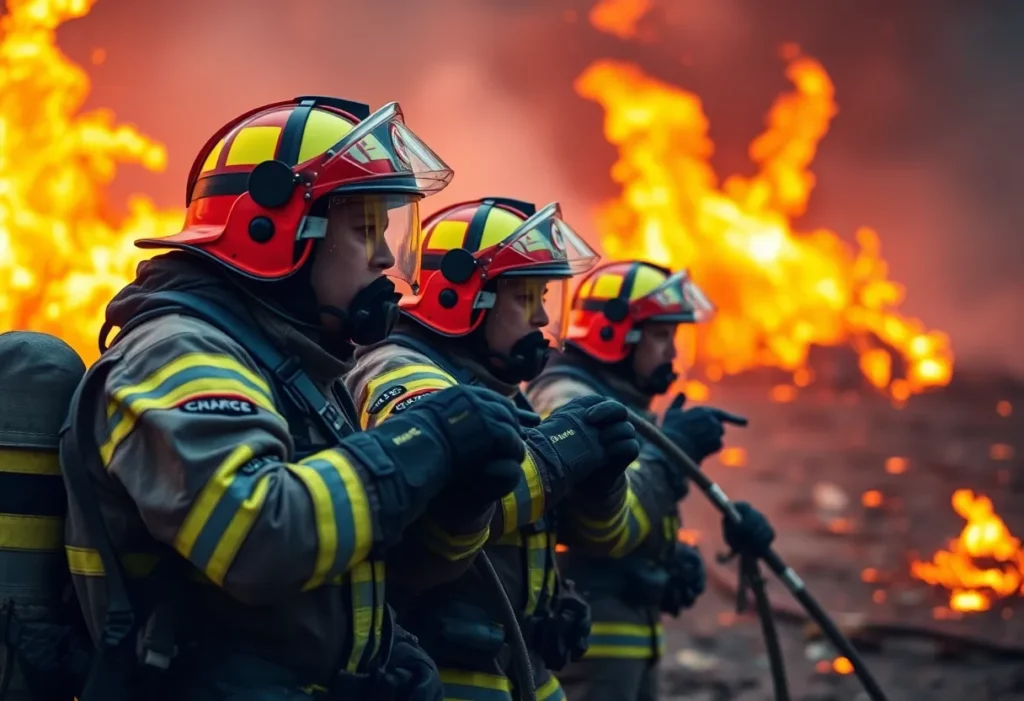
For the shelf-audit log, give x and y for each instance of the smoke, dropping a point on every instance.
(925, 148)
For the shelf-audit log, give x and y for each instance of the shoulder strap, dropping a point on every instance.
(464, 376)
(564, 370)
(285, 369)
(115, 653)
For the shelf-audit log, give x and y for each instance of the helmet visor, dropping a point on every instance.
(544, 245)
(678, 299)
(534, 303)
(391, 155)
(389, 227)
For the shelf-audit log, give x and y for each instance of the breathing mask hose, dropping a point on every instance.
(520, 653)
(796, 586)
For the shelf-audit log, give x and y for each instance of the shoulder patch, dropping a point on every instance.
(221, 405)
(410, 400)
(385, 397)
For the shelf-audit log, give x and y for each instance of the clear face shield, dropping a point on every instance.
(678, 304)
(535, 263)
(534, 304)
(389, 226)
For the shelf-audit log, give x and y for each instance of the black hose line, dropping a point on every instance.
(796, 586)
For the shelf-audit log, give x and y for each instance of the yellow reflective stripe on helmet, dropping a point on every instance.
(607, 287)
(524, 504)
(646, 280)
(500, 224)
(19, 532)
(361, 583)
(86, 562)
(446, 235)
(253, 145)
(211, 160)
(323, 130)
(550, 690)
(191, 375)
(342, 511)
(30, 462)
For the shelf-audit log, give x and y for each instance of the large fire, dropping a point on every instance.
(63, 252)
(778, 290)
(986, 562)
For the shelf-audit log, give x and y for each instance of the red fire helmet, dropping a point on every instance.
(469, 244)
(253, 185)
(614, 300)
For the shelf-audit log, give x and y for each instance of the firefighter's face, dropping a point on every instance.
(351, 255)
(518, 310)
(657, 347)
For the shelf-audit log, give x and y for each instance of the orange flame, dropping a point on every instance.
(618, 17)
(62, 253)
(778, 290)
(986, 561)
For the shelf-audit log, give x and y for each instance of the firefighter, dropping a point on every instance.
(489, 305)
(621, 343)
(213, 459)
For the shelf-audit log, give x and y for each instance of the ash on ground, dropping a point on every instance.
(857, 488)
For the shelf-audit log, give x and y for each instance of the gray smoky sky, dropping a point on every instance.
(927, 147)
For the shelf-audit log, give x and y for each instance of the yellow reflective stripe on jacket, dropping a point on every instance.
(222, 515)
(550, 690)
(537, 558)
(342, 511)
(30, 462)
(525, 504)
(379, 581)
(389, 388)
(191, 376)
(450, 546)
(475, 686)
(362, 586)
(21, 532)
(86, 562)
(637, 527)
(633, 641)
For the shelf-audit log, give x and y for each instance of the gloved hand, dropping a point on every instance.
(698, 431)
(687, 579)
(485, 443)
(753, 536)
(411, 675)
(592, 438)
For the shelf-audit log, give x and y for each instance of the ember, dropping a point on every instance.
(984, 563)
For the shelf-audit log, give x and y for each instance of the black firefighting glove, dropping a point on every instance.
(483, 436)
(592, 439)
(464, 437)
(753, 536)
(411, 675)
(687, 579)
(698, 431)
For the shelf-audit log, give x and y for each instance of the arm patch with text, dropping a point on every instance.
(385, 397)
(222, 405)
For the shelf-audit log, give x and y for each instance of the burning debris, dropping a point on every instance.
(984, 563)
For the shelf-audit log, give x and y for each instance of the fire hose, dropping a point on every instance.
(751, 573)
